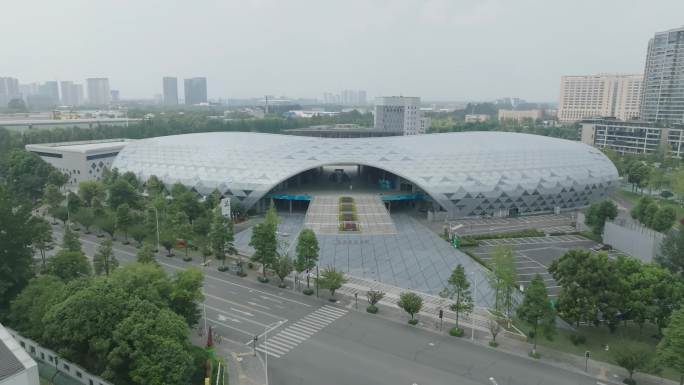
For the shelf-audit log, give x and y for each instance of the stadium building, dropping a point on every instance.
(450, 175)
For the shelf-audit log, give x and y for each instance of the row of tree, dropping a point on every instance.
(654, 215)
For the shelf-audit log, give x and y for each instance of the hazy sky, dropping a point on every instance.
(436, 49)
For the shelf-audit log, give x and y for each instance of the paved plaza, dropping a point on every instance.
(323, 214)
(412, 258)
(534, 255)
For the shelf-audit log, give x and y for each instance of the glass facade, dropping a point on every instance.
(662, 98)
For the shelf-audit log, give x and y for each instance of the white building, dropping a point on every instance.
(16, 366)
(475, 118)
(599, 95)
(81, 161)
(98, 91)
(399, 113)
(72, 93)
(520, 115)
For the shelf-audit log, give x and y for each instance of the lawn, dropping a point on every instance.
(634, 197)
(596, 339)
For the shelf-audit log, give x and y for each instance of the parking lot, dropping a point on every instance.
(549, 223)
(534, 255)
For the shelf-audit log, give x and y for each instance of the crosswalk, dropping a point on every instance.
(290, 337)
(533, 240)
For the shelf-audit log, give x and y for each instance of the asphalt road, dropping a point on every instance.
(312, 342)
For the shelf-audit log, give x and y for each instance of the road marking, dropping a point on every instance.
(263, 325)
(258, 305)
(228, 326)
(242, 312)
(244, 306)
(269, 352)
(271, 299)
(300, 331)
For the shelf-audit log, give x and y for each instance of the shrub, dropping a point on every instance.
(456, 332)
(493, 344)
(250, 265)
(372, 309)
(308, 291)
(577, 339)
(468, 241)
(413, 322)
(262, 279)
(535, 355)
(629, 381)
(241, 274)
(187, 259)
(666, 194)
(222, 268)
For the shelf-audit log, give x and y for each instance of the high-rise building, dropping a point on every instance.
(72, 93)
(346, 98)
(50, 90)
(170, 85)
(9, 89)
(599, 95)
(662, 98)
(195, 90)
(399, 114)
(98, 91)
(115, 95)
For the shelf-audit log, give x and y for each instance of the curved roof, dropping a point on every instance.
(443, 165)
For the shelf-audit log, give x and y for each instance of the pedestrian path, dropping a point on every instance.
(290, 337)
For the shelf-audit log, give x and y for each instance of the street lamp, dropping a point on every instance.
(472, 316)
(266, 330)
(156, 218)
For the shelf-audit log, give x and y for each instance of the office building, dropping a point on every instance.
(599, 95)
(399, 114)
(98, 91)
(521, 115)
(9, 89)
(170, 85)
(72, 93)
(80, 161)
(662, 98)
(50, 90)
(195, 90)
(16, 366)
(633, 137)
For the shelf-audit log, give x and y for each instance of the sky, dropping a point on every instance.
(457, 50)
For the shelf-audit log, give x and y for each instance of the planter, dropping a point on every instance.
(282, 285)
(308, 291)
(413, 322)
(187, 259)
(262, 279)
(372, 309)
(332, 300)
(241, 274)
(456, 332)
(535, 355)
(222, 268)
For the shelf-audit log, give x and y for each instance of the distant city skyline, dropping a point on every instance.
(438, 49)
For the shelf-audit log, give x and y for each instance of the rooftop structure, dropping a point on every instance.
(16, 366)
(340, 131)
(81, 161)
(464, 174)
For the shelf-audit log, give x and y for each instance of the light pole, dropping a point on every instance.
(266, 330)
(156, 219)
(472, 316)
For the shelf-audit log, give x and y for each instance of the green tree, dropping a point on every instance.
(373, 297)
(221, 236)
(537, 311)
(139, 232)
(28, 174)
(638, 175)
(41, 237)
(17, 105)
(283, 266)
(168, 240)
(85, 217)
(146, 254)
(458, 290)
(91, 191)
(631, 358)
(71, 242)
(671, 253)
(598, 213)
(265, 246)
(30, 306)
(411, 303)
(503, 278)
(331, 279)
(187, 294)
(145, 281)
(16, 256)
(154, 186)
(52, 196)
(664, 219)
(59, 213)
(307, 252)
(104, 260)
(68, 265)
(671, 347)
(123, 219)
(106, 222)
(121, 192)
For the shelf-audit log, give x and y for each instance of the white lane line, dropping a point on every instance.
(298, 332)
(242, 312)
(272, 348)
(333, 310)
(322, 317)
(244, 306)
(305, 330)
(281, 345)
(229, 327)
(271, 299)
(311, 325)
(258, 305)
(228, 313)
(314, 322)
(258, 348)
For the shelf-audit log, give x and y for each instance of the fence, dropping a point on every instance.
(633, 239)
(48, 357)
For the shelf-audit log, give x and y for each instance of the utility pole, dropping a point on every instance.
(316, 280)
